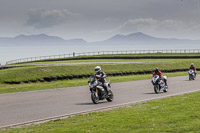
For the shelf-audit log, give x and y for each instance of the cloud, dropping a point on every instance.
(150, 26)
(140, 24)
(166, 28)
(171, 26)
(41, 18)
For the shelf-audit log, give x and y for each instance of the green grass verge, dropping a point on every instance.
(91, 60)
(115, 55)
(178, 114)
(106, 60)
(155, 54)
(39, 72)
(6, 88)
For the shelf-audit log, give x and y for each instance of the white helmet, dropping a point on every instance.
(192, 64)
(97, 69)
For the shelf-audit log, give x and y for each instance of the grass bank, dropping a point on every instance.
(39, 72)
(6, 88)
(77, 58)
(178, 114)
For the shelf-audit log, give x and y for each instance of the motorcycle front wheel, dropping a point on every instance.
(156, 88)
(95, 98)
(190, 77)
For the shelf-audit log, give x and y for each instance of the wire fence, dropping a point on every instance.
(30, 59)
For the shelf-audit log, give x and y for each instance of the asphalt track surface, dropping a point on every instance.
(26, 107)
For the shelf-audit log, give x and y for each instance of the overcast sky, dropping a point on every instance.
(95, 20)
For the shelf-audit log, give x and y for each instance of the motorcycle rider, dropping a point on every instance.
(159, 73)
(101, 77)
(192, 67)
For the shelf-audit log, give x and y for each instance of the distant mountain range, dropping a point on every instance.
(135, 38)
(141, 38)
(41, 39)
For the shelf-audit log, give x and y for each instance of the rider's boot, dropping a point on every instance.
(106, 89)
(165, 83)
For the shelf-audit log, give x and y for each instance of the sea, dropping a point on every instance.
(8, 53)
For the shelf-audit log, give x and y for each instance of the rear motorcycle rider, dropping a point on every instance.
(101, 77)
(192, 67)
(159, 73)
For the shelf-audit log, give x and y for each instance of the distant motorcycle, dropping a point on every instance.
(159, 84)
(98, 92)
(191, 74)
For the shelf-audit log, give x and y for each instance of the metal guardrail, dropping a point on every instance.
(101, 53)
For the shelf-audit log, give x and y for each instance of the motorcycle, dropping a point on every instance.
(159, 84)
(191, 74)
(98, 92)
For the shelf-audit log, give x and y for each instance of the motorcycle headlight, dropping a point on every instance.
(93, 85)
(90, 86)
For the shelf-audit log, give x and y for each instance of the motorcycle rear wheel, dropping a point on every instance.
(110, 97)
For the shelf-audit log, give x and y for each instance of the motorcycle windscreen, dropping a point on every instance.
(155, 78)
